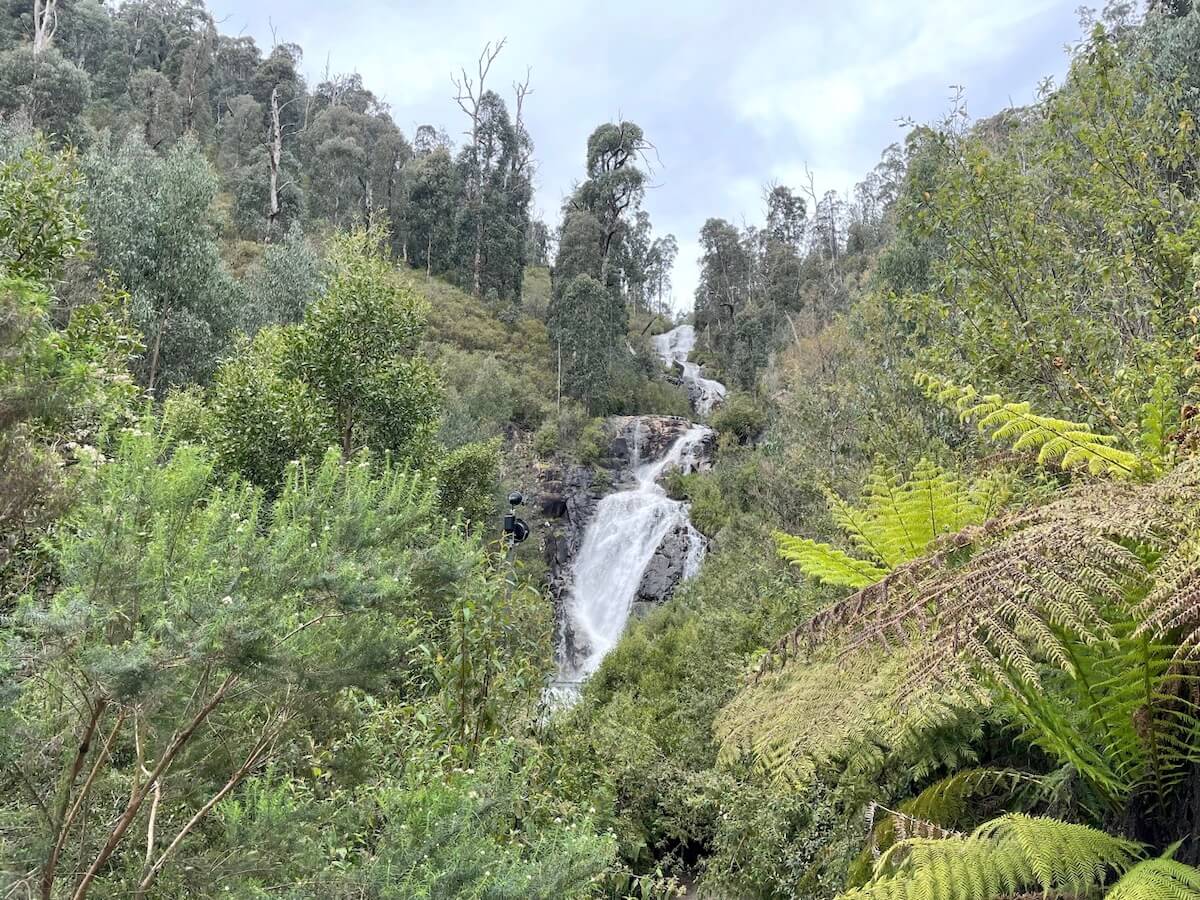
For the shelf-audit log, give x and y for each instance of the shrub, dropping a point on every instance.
(741, 416)
(467, 480)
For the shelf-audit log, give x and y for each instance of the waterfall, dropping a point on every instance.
(675, 347)
(622, 537)
(625, 532)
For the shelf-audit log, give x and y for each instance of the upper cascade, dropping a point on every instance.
(675, 346)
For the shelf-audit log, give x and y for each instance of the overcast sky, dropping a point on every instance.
(733, 94)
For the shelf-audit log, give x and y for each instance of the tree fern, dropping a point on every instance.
(1070, 445)
(896, 521)
(826, 563)
(1047, 608)
(1006, 856)
(1158, 879)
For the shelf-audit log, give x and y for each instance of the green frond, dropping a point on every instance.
(1159, 419)
(1069, 445)
(826, 563)
(1006, 856)
(896, 521)
(805, 719)
(1158, 879)
(955, 802)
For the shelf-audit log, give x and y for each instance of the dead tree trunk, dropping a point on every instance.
(469, 98)
(45, 23)
(274, 156)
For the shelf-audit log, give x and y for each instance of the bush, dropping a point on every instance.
(485, 397)
(709, 510)
(572, 435)
(467, 480)
(742, 417)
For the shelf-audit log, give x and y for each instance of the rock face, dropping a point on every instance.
(667, 568)
(567, 498)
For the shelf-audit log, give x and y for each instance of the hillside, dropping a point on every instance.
(872, 573)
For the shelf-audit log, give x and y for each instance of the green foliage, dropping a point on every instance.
(1057, 441)
(1006, 856)
(41, 223)
(285, 281)
(587, 324)
(1052, 235)
(348, 375)
(186, 600)
(153, 228)
(487, 396)
(467, 481)
(1152, 879)
(740, 416)
(827, 564)
(51, 90)
(897, 522)
(572, 435)
(263, 418)
(356, 349)
(708, 509)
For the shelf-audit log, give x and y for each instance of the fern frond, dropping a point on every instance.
(1159, 420)
(1006, 856)
(947, 804)
(896, 522)
(826, 563)
(1070, 445)
(1158, 879)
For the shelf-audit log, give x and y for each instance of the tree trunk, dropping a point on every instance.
(478, 248)
(162, 326)
(45, 23)
(274, 157)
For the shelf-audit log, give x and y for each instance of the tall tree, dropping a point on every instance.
(154, 228)
(615, 184)
(478, 104)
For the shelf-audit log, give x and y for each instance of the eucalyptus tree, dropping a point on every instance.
(45, 87)
(154, 228)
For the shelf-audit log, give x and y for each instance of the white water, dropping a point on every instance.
(627, 528)
(674, 347)
(619, 543)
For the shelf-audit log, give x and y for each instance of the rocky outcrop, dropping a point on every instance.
(672, 562)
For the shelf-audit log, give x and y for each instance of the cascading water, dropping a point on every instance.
(675, 346)
(626, 530)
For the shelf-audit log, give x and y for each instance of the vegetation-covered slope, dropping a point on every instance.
(263, 359)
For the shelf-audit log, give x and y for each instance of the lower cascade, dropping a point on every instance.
(626, 531)
(622, 547)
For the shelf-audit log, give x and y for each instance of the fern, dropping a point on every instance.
(1049, 609)
(1159, 420)
(896, 521)
(951, 802)
(807, 719)
(826, 563)
(1006, 856)
(1158, 879)
(1070, 445)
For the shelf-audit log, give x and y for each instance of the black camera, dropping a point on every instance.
(517, 528)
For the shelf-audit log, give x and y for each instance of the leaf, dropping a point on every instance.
(826, 563)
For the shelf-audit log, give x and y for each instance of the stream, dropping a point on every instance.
(627, 529)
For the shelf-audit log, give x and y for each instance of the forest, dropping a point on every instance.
(270, 368)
